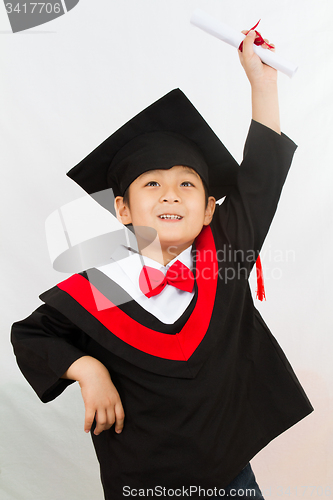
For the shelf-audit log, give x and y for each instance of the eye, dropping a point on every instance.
(152, 183)
(187, 183)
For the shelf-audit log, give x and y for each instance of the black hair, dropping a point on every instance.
(126, 197)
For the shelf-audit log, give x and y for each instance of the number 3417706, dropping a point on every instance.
(33, 8)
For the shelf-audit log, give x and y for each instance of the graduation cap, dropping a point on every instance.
(169, 132)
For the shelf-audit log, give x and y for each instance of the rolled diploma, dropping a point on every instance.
(220, 30)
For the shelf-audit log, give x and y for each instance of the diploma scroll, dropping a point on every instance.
(220, 30)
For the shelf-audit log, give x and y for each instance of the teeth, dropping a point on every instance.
(170, 217)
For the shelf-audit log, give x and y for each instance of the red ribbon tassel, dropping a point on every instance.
(258, 40)
(260, 280)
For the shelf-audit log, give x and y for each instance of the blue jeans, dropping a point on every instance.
(243, 486)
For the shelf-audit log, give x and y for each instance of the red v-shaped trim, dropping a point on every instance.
(176, 347)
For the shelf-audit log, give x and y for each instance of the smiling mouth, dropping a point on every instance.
(170, 217)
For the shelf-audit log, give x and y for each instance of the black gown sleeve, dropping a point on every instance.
(44, 347)
(244, 218)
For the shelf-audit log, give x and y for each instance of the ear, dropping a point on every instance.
(210, 209)
(122, 211)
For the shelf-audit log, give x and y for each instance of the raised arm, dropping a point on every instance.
(243, 220)
(263, 80)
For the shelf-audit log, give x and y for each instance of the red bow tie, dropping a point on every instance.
(152, 281)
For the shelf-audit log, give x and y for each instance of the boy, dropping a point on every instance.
(202, 381)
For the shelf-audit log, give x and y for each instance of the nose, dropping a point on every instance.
(171, 200)
(170, 196)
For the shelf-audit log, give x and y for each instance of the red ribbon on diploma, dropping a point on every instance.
(258, 40)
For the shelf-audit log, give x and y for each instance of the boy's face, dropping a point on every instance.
(170, 201)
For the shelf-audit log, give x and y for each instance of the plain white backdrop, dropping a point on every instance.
(65, 87)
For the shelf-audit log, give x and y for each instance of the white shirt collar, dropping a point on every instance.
(125, 267)
(131, 262)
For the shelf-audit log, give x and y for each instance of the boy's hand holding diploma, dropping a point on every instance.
(263, 80)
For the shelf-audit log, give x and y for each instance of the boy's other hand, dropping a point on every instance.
(101, 399)
(259, 74)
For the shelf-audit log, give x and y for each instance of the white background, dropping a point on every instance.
(65, 87)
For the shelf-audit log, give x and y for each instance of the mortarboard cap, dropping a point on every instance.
(169, 132)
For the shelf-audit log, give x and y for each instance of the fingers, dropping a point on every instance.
(255, 37)
(89, 419)
(106, 417)
(120, 416)
(267, 45)
(102, 402)
(104, 420)
(248, 43)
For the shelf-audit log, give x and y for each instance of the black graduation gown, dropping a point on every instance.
(201, 396)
